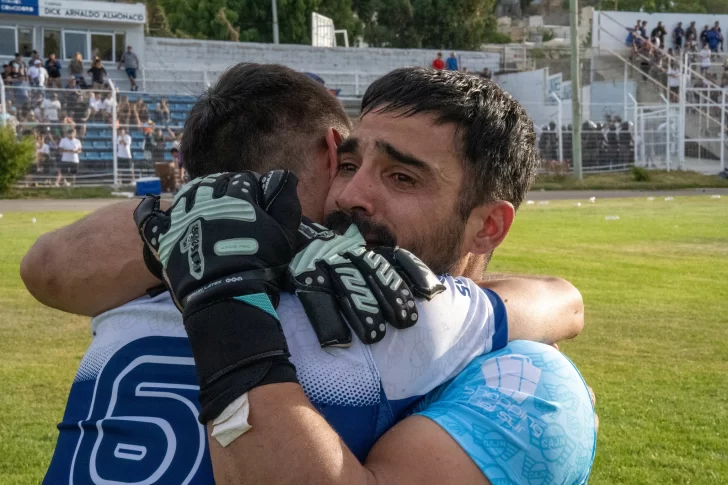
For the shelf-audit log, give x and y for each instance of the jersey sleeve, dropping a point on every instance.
(455, 327)
(523, 414)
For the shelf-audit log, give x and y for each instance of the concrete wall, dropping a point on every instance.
(348, 69)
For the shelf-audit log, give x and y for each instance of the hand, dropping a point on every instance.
(336, 275)
(222, 247)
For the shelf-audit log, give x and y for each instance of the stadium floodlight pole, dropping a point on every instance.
(575, 90)
(274, 6)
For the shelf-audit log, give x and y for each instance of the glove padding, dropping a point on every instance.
(225, 235)
(223, 246)
(336, 275)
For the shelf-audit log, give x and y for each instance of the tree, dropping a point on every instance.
(15, 156)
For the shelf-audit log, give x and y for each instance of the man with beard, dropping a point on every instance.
(517, 415)
(276, 91)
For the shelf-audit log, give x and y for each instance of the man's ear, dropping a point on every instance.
(333, 140)
(488, 226)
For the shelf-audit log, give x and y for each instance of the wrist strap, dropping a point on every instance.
(238, 344)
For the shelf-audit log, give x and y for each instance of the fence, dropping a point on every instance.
(147, 127)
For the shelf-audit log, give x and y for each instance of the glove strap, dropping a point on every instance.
(238, 344)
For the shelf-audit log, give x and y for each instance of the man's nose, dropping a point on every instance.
(359, 194)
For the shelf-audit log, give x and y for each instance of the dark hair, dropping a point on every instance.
(259, 117)
(497, 138)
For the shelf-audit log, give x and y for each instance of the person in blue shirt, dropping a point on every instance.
(452, 62)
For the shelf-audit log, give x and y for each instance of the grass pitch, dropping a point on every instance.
(655, 346)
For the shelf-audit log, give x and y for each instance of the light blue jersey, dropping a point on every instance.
(523, 414)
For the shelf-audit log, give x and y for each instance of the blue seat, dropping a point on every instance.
(102, 145)
(106, 156)
(90, 155)
(179, 116)
(138, 155)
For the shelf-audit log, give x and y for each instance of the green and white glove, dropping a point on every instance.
(338, 281)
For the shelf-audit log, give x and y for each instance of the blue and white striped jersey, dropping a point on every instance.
(131, 415)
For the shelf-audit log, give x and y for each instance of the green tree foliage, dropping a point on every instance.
(15, 157)
(431, 24)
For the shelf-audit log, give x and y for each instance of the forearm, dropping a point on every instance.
(540, 309)
(286, 429)
(90, 266)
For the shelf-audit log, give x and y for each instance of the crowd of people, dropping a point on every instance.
(682, 39)
(452, 63)
(41, 104)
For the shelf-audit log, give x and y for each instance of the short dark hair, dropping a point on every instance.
(498, 143)
(258, 117)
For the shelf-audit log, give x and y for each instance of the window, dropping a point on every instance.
(51, 43)
(75, 42)
(7, 41)
(102, 45)
(25, 41)
(119, 45)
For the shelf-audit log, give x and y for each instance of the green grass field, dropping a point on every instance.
(655, 347)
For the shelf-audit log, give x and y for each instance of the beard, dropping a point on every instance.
(439, 248)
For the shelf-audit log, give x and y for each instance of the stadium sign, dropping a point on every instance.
(76, 9)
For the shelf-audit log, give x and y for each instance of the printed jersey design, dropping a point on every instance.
(131, 416)
(523, 414)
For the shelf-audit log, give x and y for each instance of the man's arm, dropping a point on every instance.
(291, 443)
(539, 308)
(91, 266)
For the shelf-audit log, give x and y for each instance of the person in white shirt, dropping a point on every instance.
(70, 147)
(123, 153)
(37, 74)
(95, 104)
(51, 107)
(704, 59)
(673, 81)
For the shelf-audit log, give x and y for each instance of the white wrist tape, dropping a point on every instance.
(232, 422)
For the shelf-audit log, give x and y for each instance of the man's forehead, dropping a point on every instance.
(419, 136)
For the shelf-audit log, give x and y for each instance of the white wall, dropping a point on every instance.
(350, 69)
(609, 27)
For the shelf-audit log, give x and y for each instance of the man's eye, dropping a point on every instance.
(347, 167)
(403, 179)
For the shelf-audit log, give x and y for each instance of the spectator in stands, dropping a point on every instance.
(643, 29)
(158, 148)
(452, 62)
(95, 104)
(705, 59)
(123, 153)
(485, 73)
(98, 73)
(108, 108)
(438, 62)
(163, 115)
(82, 115)
(673, 81)
(75, 69)
(715, 38)
(22, 66)
(677, 37)
(42, 153)
(7, 70)
(716, 27)
(123, 112)
(51, 106)
(691, 30)
(37, 75)
(53, 66)
(131, 64)
(704, 36)
(67, 122)
(659, 33)
(70, 148)
(34, 57)
(140, 112)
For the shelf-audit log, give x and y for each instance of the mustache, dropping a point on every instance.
(339, 221)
